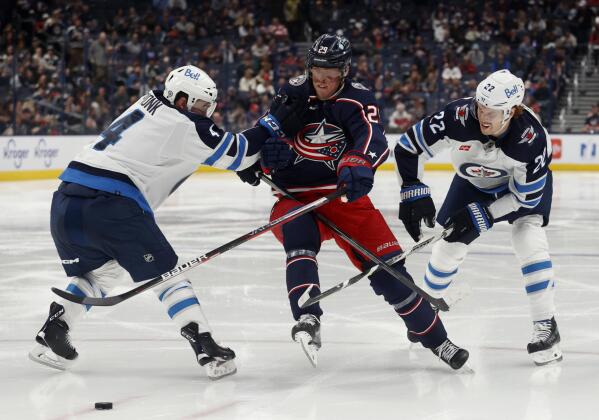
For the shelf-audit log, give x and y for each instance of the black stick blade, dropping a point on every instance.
(93, 301)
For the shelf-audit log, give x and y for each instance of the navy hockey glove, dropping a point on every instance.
(285, 117)
(416, 205)
(469, 222)
(356, 174)
(251, 175)
(276, 154)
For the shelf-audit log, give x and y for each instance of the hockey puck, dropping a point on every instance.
(103, 406)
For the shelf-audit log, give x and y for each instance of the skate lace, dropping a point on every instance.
(541, 331)
(447, 350)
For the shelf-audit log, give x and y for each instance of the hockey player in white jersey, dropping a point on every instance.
(102, 215)
(501, 153)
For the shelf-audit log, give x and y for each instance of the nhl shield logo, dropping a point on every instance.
(149, 258)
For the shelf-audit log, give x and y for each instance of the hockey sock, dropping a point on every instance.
(79, 286)
(532, 249)
(422, 321)
(182, 304)
(443, 265)
(302, 272)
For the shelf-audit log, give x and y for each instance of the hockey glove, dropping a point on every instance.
(416, 205)
(251, 175)
(356, 174)
(469, 222)
(276, 154)
(285, 117)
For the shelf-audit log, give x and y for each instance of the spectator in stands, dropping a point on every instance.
(133, 45)
(245, 31)
(542, 94)
(260, 49)
(278, 30)
(248, 82)
(400, 118)
(591, 123)
(475, 55)
(451, 73)
(594, 46)
(98, 57)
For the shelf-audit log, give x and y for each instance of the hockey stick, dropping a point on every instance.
(113, 300)
(390, 261)
(304, 300)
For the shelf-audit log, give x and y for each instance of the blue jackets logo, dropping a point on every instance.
(320, 142)
(511, 92)
(191, 74)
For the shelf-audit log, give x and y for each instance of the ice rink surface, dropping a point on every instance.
(131, 354)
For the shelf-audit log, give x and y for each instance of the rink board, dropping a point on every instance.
(44, 157)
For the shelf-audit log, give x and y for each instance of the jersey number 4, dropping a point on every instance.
(114, 133)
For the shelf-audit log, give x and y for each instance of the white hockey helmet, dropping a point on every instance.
(195, 83)
(501, 90)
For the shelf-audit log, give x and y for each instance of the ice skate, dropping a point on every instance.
(544, 345)
(54, 347)
(307, 333)
(218, 361)
(451, 354)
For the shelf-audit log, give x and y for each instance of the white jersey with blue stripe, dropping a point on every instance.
(157, 147)
(517, 161)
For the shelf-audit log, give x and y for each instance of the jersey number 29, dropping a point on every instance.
(114, 133)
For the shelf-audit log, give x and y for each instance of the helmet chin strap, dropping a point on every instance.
(337, 91)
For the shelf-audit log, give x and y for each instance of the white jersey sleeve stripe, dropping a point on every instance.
(405, 143)
(220, 150)
(420, 138)
(242, 144)
(530, 187)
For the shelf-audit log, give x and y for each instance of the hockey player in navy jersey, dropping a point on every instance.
(341, 143)
(102, 216)
(501, 154)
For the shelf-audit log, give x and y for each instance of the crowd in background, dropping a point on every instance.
(71, 67)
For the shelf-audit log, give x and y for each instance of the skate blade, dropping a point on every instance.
(310, 350)
(466, 369)
(44, 356)
(547, 357)
(219, 369)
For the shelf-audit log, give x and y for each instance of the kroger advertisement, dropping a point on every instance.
(30, 157)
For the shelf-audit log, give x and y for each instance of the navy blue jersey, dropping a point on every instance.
(517, 162)
(348, 121)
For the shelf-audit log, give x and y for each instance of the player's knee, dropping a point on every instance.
(301, 233)
(447, 256)
(107, 277)
(392, 290)
(528, 238)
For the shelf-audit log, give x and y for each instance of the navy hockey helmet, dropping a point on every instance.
(330, 51)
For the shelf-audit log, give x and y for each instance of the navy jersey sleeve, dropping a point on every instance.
(531, 153)
(429, 136)
(360, 115)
